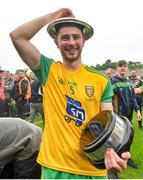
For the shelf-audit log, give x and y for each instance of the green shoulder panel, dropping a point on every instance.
(121, 84)
(108, 93)
(93, 70)
(42, 71)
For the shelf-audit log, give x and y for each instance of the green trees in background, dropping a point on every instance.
(109, 64)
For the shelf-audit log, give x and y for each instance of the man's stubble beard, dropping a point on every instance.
(71, 58)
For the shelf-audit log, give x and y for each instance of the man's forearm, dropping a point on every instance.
(22, 35)
(29, 29)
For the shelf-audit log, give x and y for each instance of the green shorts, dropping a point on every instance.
(54, 174)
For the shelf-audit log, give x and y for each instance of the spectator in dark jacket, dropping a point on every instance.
(21, 93)
(124, 101)
(136, 82)
(36, 106)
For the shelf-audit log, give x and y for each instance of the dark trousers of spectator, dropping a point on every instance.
(22, 106)
(22, 169)
(2, 108)
(5, 108)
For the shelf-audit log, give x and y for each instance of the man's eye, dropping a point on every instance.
(76, 37)
(65, 38)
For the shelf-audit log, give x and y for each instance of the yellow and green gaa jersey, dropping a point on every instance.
(70, 99)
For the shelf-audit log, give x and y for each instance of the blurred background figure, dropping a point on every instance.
(124, 101)
(31, 77)
(21, 93)
(36, 106)
(110, 73)
(2, 95)
(137, 82)
(133, 76)
(139, 97)
(6, 84)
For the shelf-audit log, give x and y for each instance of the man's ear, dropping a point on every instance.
(56, 42)
(83, 42)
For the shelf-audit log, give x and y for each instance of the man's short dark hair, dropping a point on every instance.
(19, 70)
(59, 26)
(86, 29)
(121, 63)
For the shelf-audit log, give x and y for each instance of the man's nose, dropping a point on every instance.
(71, 40)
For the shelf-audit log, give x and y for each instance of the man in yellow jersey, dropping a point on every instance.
(73, 94)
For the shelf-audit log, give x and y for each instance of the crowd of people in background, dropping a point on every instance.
(20, 102)
(20, 95)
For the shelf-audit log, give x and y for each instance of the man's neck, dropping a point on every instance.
(72, 65)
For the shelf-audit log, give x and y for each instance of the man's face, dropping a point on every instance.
(133, 74)
(122, 69)
(21, 75)
(70, 41)
(109, 73)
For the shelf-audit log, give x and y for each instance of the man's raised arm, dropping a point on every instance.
(22, 35)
